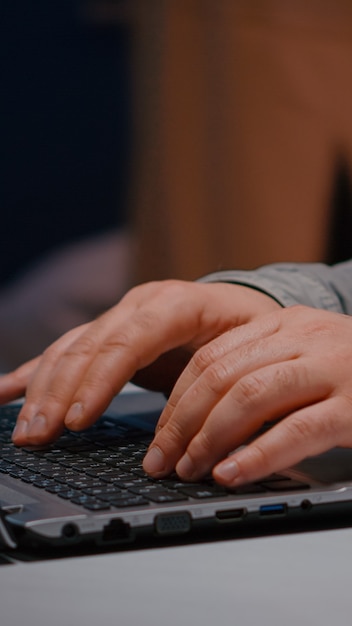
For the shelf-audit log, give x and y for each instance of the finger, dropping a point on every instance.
(258, 397)
(34, 378)
(307, 432)
(211, 355)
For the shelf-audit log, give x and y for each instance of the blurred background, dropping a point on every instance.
(147, 139)
(250, 134)
(66, 126)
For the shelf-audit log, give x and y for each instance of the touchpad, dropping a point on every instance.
(12, 497)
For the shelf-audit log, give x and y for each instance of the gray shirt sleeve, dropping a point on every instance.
(313, 284)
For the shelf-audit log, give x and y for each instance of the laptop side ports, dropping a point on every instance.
(116, 531)
(230, 515)
(173, 523)
(272, 510)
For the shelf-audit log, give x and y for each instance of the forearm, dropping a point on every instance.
(315, 284)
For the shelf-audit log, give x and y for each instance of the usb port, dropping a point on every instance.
(272, 509)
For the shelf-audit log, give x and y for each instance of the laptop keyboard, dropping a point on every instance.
(101, 468)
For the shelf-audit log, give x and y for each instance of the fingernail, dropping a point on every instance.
(37, 426)
(185, 467)
(74, 414)
(227, 471)
(154, 461)
(20, 430)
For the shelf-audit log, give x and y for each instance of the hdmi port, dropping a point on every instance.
(229, 515)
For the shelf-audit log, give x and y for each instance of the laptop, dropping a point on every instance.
(89, 488)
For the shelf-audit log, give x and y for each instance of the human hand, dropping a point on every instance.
(150, 335)
(292, 367)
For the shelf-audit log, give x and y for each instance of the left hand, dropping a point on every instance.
(293, 367)
(149, 336)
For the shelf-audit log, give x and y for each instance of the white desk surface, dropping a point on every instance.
(287, 580)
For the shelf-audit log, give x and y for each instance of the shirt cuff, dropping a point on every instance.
(287, 283)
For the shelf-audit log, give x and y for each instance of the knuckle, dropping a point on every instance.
(171, 435)
(146, 318)
(215, 377)
(51, 353)
(122, 341)
(204, 441)
(249, 390)
(330, 426)
(315, 325)
(204, 358)
(305, 427)
(169, 409)
(299, 428)
(98, 384)
(327, 427)
(82, 347)
(315, 328)
(201, 360)
(202, 446)
(297, 310)
(174, 288)
(56, 396)
(288, 376)
(170, 289)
